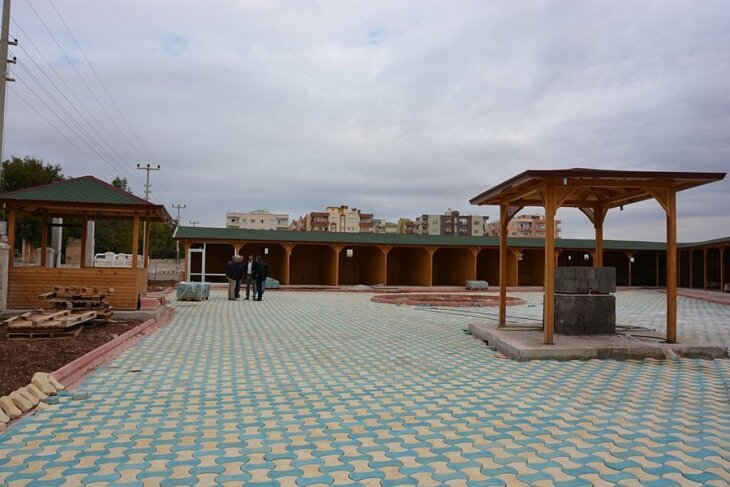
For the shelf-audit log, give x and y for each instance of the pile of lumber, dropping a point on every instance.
(44, 324)
(80, 299)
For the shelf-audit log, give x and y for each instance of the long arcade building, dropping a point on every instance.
(341, 259)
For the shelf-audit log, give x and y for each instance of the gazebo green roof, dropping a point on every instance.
(86, 192)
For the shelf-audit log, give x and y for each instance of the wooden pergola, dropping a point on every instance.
(86, 198)
(593, 192)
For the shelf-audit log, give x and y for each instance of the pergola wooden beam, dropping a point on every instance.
(593, 192)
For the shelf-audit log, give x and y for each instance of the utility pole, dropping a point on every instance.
(193, 223)
(4, 43)
(178, 207)
(147, 187)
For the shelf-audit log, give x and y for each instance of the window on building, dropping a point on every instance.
(435, 222)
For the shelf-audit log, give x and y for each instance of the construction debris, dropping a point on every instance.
(79, 299)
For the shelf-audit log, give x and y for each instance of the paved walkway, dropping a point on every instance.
(329, 388)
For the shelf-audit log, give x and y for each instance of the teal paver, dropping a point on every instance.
(330, 388)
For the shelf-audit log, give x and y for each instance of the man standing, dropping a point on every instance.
(261, 271)
(249, 269)
(233, 273)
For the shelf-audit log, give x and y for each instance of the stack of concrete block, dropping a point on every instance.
(482, 285)
(26, 398)
(584, 304)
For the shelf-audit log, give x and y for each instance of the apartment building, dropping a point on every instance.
(380, 225)
(335, 219)
(407, 226)
(451, 223)
(525, 226)
(259, 219)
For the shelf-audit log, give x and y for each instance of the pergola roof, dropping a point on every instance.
(83, 195)
(592, 187)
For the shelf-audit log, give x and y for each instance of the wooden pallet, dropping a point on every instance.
(41, 333)
(81, 299)
(39, 319)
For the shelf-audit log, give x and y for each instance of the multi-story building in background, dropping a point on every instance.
(381, 225)
(257, 220)
(335, 219)
(451, 223)
(407, 226)
(525, 226)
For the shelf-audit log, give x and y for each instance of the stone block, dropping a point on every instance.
(20, 401)
(483, 285)
(3, 417)
(26, 394)
(582, 314)
(33, 389)
(40, 380)
(271, 283)
(57, 385)
(584, 280)
(9, 407)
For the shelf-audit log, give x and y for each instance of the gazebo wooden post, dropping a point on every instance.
(549, 306)
(147, 229)
(671, 209)
(503, 265)
(44, 238)
(629, 255)
(12, 212)
(135, 240)
(600, 215)
(84, 238)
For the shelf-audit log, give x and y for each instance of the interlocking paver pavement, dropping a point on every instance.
(329, 388)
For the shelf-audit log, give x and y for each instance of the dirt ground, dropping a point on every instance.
(21, 358)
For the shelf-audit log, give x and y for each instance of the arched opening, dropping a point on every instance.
(684, 274)
(620, 261)
(313, 264)
(488, 266)
(698, 269)
(713, 268)
(361, 265)
(273, 254)
(409, 266)
(453, 266)
(531, 264)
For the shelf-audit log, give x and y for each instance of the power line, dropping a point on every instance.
(108, 93)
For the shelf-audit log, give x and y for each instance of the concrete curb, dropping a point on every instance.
(73, 373)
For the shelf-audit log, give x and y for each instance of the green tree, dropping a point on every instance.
(114, 236)
(22, 173)
(27, 172)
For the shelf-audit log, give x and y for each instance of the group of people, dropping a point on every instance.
(253, 273)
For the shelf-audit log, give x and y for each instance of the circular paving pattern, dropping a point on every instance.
(437, 299)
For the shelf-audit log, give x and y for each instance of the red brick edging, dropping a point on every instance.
(73, 373)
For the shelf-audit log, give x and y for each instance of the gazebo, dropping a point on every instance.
(594, 192)
(86, 198)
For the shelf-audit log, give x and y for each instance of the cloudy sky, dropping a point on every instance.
(396, 107)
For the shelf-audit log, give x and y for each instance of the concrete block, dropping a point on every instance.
(582, 314)
(57, 385)
(30, 397)
(9, 407)
(41, 406)
(20, 401)
(484, 285)
(584, 280)
(40, 379)
(3, 417)
(33, 389)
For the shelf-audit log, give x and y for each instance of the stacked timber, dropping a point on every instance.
(80, 299)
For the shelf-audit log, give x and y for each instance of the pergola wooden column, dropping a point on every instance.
(593, 192)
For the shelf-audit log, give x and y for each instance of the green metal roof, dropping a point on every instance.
(396, 239)
(716, 241)
(85, 189)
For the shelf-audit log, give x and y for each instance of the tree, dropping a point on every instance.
(121, 183)
(114, 236)
(25, 173)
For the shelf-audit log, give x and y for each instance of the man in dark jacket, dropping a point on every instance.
(262, 271)
(233, 273)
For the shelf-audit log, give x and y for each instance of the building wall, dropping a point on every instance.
(335, 219)
(257, 220)
(526, 226)
(451, 223)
